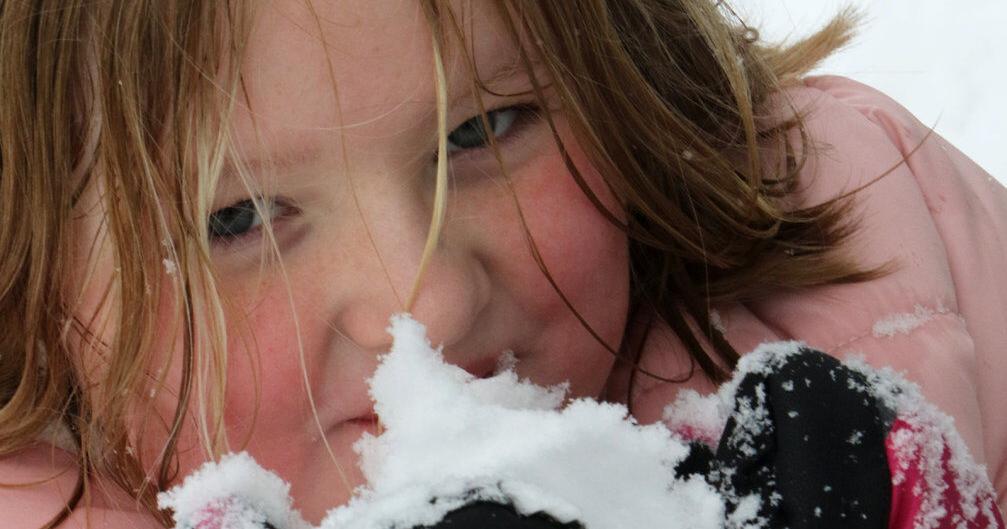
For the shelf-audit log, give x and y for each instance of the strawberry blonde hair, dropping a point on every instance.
(669, 99)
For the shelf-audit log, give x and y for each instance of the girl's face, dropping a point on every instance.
(348, 265)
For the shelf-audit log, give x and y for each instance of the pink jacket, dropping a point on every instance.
(940, 318)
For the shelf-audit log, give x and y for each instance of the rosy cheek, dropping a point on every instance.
(581, 248)
(264, 370)
(586, 255)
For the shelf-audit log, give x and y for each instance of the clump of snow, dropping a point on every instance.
(236, 491)
(746, 513)
(697, 417)
(903, 323)
(506, 362)
(452, 437)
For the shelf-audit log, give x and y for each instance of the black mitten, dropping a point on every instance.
(807, 443)
(490, 515)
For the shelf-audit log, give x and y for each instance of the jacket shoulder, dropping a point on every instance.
(924, 209)
(941, 220)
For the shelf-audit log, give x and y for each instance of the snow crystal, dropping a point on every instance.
(903, 323)
(170, 267)
(855, 438)
(717, 321)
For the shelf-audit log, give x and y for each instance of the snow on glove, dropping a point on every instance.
(235, 493)
(811, 442)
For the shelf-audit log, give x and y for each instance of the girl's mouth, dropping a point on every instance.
(368, 419)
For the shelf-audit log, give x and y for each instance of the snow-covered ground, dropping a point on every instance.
(946, 61)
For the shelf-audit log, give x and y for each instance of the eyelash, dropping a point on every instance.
(525, 113)
(277, 208)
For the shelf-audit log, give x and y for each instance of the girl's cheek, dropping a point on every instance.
(264, 365)
(588, 258)
(262, 375)
(583, 251)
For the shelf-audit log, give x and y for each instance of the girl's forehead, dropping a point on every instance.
(378, 56)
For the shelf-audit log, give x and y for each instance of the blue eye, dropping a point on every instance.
(239, 219)
(473, 135)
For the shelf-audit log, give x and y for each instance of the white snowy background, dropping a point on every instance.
(944, 60)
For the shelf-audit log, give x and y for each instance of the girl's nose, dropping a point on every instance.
(452, 291)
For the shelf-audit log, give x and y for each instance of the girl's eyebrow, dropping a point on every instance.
(500, 71)
(278, 161)
(286, 158)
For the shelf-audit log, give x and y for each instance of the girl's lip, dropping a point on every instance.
(485, 368)
(370, 418)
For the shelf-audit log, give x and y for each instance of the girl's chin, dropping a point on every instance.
(323, 485)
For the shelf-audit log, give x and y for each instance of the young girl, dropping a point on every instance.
(209, 211)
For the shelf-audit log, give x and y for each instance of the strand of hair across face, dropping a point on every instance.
(440, 190)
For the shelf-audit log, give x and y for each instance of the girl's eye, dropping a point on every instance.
(473, 135)
(240, 219)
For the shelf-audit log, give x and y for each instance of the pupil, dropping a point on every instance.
(231, 222)
(471, 134)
